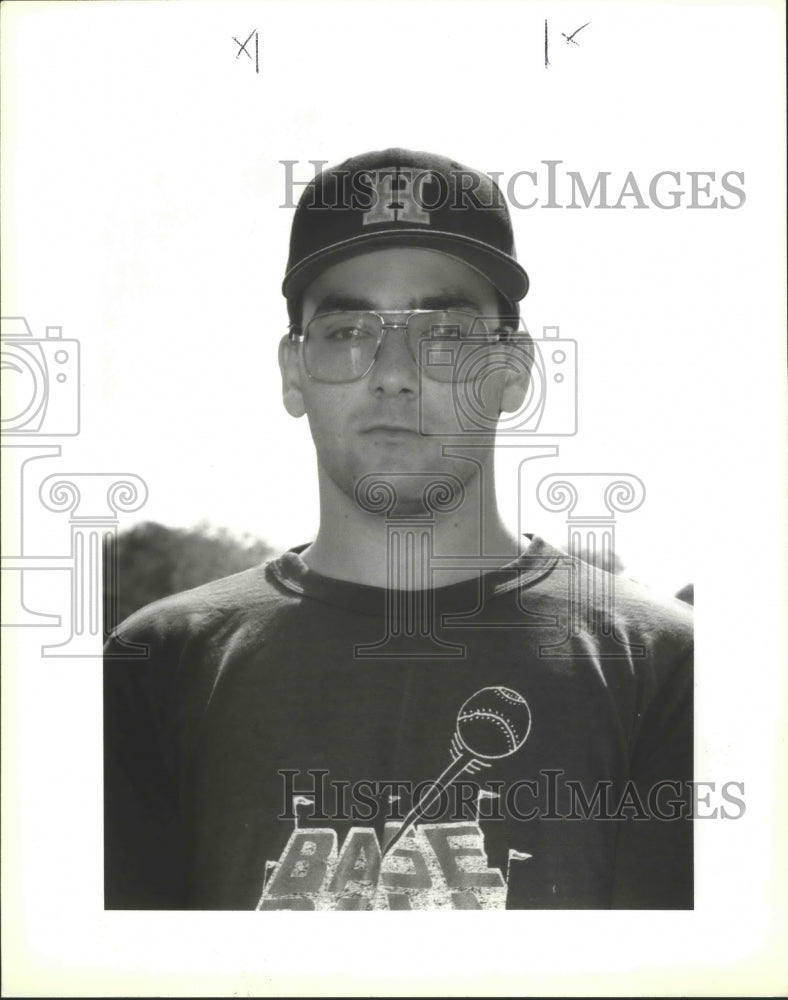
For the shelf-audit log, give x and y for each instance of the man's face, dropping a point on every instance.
(394, 421)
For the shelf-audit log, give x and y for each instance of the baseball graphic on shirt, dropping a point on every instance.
(493, 723)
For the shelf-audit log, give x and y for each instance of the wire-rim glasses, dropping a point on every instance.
(343, 346)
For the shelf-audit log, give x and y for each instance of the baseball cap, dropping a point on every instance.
(399, 197)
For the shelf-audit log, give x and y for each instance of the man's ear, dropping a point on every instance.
(290, 367)
(518, 373)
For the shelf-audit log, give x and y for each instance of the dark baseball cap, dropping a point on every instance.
(398, 197)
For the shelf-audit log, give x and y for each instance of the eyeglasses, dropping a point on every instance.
(343, 346)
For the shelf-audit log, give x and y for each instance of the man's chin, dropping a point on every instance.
(409, 492)
(400, 456)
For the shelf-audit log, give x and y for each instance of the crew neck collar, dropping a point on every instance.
(292, 573)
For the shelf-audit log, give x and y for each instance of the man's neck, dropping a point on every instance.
(400, 549)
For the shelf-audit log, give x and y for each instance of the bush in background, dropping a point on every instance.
(154, 561)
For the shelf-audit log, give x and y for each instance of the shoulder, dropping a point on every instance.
(649, 612)
(613, 601)
(636, 642)
(228, 602)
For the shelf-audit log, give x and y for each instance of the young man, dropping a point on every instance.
(412, 711)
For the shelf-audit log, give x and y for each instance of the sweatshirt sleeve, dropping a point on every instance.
(143, 846)
(654, 852)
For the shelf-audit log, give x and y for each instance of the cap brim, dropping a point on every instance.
(502, 272)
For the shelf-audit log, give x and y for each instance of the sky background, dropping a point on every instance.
(142, 194)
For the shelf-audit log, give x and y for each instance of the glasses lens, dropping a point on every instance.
(340, 347)
(447, 343)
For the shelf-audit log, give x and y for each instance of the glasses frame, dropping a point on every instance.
(299, 336)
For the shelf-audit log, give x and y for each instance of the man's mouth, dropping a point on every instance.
(390, 429)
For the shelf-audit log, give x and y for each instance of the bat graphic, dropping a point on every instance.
(492, 724)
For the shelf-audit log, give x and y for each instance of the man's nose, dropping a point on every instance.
(395, 369)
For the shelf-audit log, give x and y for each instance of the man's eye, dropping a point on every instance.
(446, 331)
(348, 333)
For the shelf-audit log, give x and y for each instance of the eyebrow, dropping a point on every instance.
(448, 299)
